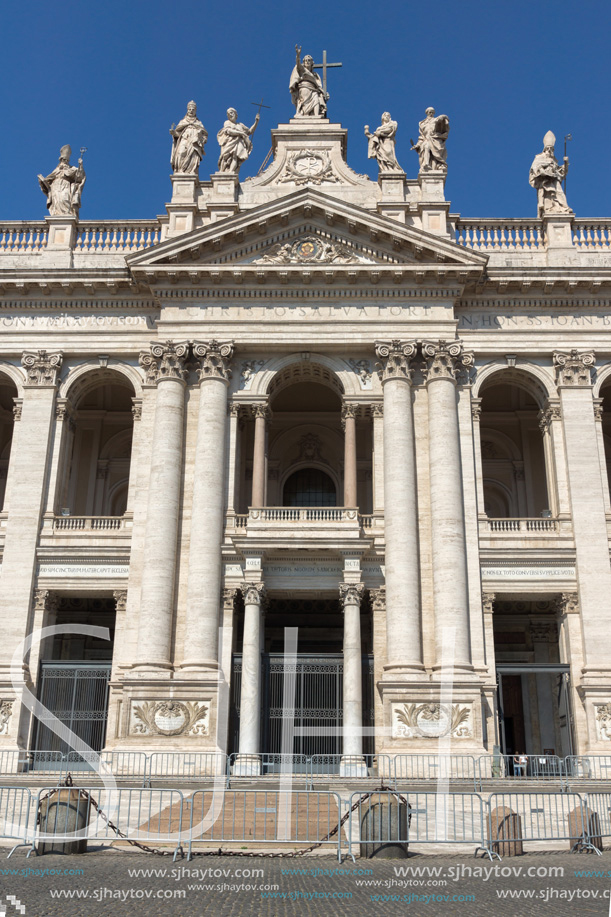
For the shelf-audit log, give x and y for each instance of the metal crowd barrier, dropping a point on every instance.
(432, 818)
(150, 816)
(536, 767)
(351, 767)
(266, 765)
(599, 805)
(15, 806)
(435, 767)
(588, 767)
(184, 766)
(542, 817)
(260, 817)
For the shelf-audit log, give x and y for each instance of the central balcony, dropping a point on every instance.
(287, 526)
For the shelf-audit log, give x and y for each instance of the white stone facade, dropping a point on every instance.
(159, 383)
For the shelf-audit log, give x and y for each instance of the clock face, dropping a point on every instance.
(308, 165)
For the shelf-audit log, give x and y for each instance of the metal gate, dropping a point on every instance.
(77, 693)
(318, 703)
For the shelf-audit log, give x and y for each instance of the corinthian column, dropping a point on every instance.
(349, 425)
(261, 414)
(165, 367)
(250, 692)
(350, 596)
(444, 360)
(403, 625)
(587, 501)
(208, 508)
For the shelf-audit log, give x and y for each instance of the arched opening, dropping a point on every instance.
(8, 393)
(513, 455)
(97, 480)
(309, 487)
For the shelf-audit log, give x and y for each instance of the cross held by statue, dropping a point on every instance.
(324, 66)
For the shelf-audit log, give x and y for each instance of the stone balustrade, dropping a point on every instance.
(324, 521)
(111, 236)
(23, 236)
(592, 235)
(91, 523)
(500, 235)
(536, 524)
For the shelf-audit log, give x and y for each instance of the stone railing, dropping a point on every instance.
(302, 514)
(592, 235)
(106, 236)
(91, 523)
(536, 524)
(500, 235)
(23, 237)
(92, 237)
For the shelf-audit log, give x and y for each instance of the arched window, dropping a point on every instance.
(309, 487)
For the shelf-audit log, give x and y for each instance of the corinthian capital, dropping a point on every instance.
(165, 360)
(445, 359)
(41, 367)
(214, 359)
(574, 368)
(395, 359)
(351, 593)
(253, 593)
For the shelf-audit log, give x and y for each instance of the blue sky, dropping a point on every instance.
(113, 76)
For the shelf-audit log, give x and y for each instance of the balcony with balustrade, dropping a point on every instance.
(524, 537)
(86, 532)
(314, 527)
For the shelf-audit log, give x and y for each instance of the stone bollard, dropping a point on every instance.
(384, 831)
(584, 827)
(64, 811)
(505, 832)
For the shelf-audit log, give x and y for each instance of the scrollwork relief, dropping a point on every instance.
(170, 718)
(431, 721)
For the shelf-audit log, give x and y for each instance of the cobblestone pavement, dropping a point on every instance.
(125, 883)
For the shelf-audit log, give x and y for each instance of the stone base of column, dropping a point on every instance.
(429, 719)
(595, 695)
(152, 669)
(352, 766)
(247, 766)
(400, 673)
(196, 670)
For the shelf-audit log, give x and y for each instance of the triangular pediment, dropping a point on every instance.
(306, 230)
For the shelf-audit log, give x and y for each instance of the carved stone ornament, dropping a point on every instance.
(598, 409)
(311, 250)
(253, 593)
(17, 408)
(363, 370)
(120, 597)
(378, 600)
(170, 718)
(351, 593)
(41, 367)
(548, 415)
(395, 359)
(445, 360)
(542, 631)
(377, 409)
(136, 409)
(165, 360)
(349, 410)
(431, 721)
(260, 410)
(574, 368)
(308, 167)
(310, 447)
(602, 714)
(6, 711)
(568, 603)
(248, 371)
(488, 602)
(214, 359)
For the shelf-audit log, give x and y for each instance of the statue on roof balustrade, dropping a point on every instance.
(547, 175)
(382, 144)
(64, 186)
(235, 143)
(431, 144)
(189, 139)
(309, 98)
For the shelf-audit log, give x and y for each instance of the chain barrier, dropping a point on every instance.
(68, 782)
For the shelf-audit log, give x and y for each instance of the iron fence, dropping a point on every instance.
(15, 806)
(184, 766)
(434, 767)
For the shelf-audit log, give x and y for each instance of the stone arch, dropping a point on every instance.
(499, 498)
(13, 375)
(331, 473)
(603, 375)
(116, 443)
(314, 367)
(534, 379)
(88, 375)
(503, 442)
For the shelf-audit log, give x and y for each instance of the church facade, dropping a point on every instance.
(312, 460)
